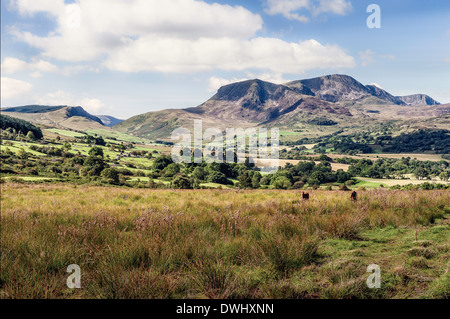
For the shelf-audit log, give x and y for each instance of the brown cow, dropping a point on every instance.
(305, 196)
(354, 196)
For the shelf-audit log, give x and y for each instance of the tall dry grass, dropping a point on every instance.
(134, 243)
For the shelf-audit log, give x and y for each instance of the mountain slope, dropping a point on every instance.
(382, 94)
(418, 99)
(71, 117)
(257, 101)
(108, 120)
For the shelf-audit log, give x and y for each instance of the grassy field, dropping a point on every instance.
(375, 183)
(134, 243)
(66, 133)
(109, 133)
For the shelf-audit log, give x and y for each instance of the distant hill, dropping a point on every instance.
(34, 109)
(72, 117)
(108, 120)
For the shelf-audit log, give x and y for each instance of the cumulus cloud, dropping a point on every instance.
(91, 105)
(11, 87)
(30, 7)
(178, 55)
(287, 8)
(176, 36)
(36, 67)
(290, 8)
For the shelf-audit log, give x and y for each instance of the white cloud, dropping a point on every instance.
(367, 57)
(176, 36)
(91, 105)
(37, 67)
(11, 88)
(340, 7)
(30, 7)
(13, 65)
(177, 55)
(105, 25)
(94, 106)
(289, 8)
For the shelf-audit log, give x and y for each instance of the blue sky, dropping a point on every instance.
(124, 58)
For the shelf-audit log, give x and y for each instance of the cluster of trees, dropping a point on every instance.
(322, 122)
(15, 126)
(343, 145)
(392, 168)
(437, 141)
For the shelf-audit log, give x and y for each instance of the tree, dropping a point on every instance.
(420, 173)
(219, 178)
(111, 175)
(443, 176)
(255, 180)
(182, 182)
(96, 151)
(30, 136)
(15, 126)
(245, 180)
(281, 182)
(199, 173)
(162, 162)
(299, 185)
(171, 170)
(93, 166)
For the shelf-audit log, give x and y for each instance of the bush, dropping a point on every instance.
(299, 185)
(281, 182)
(111, 175)
(219, 178)
(182, 182)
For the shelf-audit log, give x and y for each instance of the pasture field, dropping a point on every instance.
(66, 133)
(135, 243)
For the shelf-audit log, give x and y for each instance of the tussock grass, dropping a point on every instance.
(133, 243)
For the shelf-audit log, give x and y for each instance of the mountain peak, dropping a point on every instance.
(418, 99)
(334, 87)
(236, 91)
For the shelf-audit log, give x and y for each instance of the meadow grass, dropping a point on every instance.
(66, 133)
(136, 243)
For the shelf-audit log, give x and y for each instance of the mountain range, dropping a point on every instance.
(339, 102)
(338, 99)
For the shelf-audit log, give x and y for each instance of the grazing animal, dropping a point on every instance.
(354, 196)
(305, 196)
